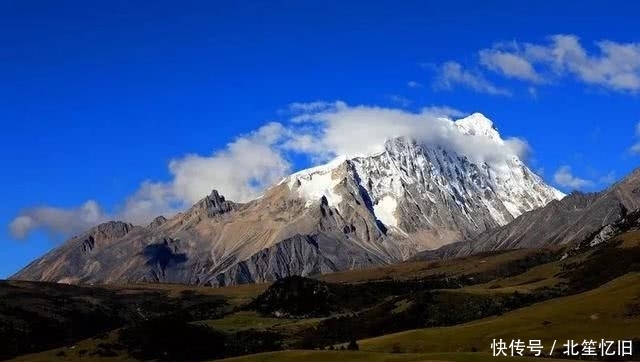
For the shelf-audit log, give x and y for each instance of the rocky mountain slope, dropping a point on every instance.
(573, 219)
(351, 213)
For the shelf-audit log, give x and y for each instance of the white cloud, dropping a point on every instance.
(57, 220)
(22, 225)
(565, 178)
(444, 112)
(607, 64)
(635, 149)
(509, 64)
(357, 130)
(613, 65)
(414, 84)
(451, 74)
(308, 106)
(608, 179)
(240, 171)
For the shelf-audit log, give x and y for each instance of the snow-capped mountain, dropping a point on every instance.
(430, 194)
(353, 212)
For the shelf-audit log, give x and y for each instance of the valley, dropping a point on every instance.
(446, 310)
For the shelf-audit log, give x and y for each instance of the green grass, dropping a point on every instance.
(402, 306)
(79, 352)
(537, 277)
(630, 239)
(235, 294)
(251, 320)
(596, 314)
(423, 269)
(232, 323)
(350, 356)
(289, 328)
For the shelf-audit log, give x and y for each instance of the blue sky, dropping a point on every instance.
(124, 108)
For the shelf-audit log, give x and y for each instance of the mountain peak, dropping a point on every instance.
(212, 205)
(159, 220)
(477, 119)
(478, 124)
(108, 230)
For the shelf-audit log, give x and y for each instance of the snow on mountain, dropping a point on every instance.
(385, 211)
(414, 186)
(478, 125)
(315, 185)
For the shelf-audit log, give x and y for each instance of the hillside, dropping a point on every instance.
(561, 222)
(453, 306)
(605, 312)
